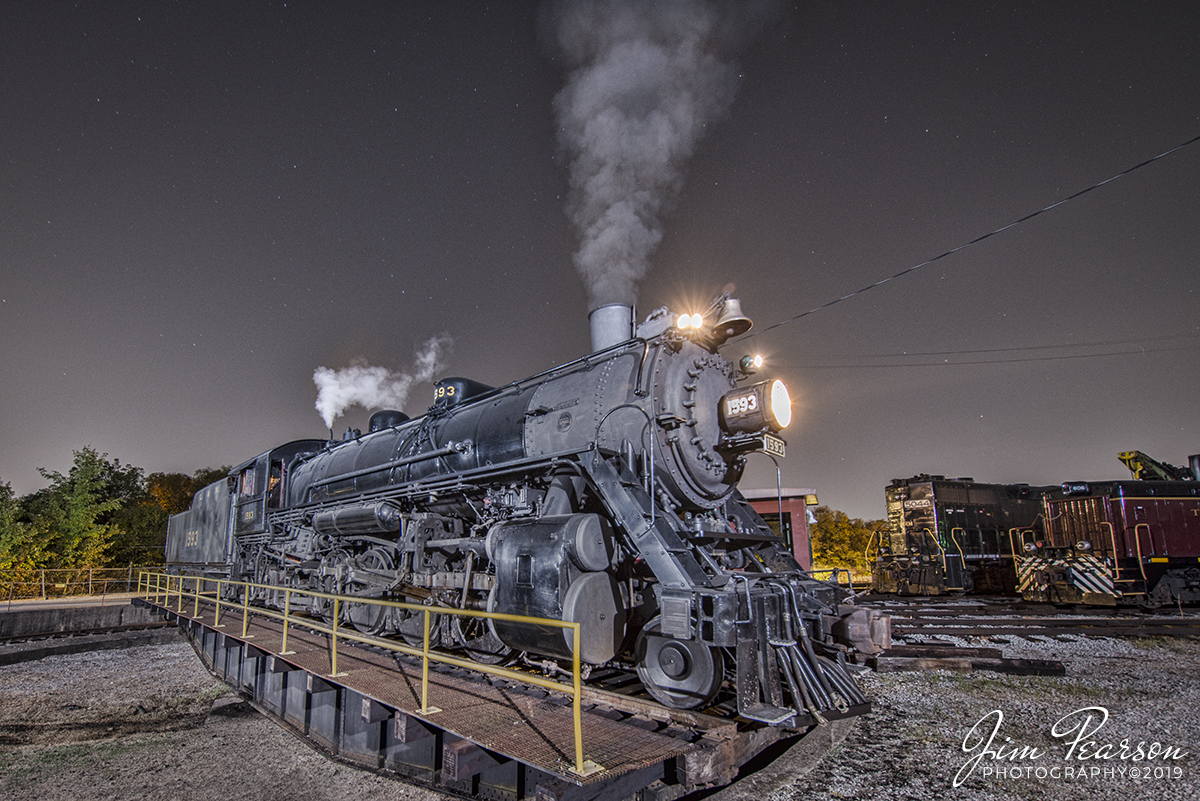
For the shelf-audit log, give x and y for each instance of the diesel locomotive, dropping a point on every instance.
(1117, 542)
(603, 491)
(954, 535)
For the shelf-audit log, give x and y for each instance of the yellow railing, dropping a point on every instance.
(23, 584)
(170, 591)
(834, 574)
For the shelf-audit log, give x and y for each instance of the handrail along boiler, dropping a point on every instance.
(603, 491)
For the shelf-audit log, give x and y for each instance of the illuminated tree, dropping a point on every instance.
(839, 540)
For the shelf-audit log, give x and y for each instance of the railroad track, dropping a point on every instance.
(30, 647)
(999, 617)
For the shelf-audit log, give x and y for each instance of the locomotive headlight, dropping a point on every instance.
(689, 321)
(756, 407)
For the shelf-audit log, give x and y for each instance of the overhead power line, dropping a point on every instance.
(977, 239)
(948, 363)
(1061, 346)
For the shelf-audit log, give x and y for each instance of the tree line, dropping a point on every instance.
(99, 514)
(839, 540)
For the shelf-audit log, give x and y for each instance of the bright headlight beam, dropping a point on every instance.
(781, 403)
(758, 407)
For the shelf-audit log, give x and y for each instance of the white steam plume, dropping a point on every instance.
(376, 387)
(645, 80)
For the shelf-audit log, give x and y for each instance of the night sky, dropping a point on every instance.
(203, 202)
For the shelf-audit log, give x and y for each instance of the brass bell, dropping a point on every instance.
(732, 322)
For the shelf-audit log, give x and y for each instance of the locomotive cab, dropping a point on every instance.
(259, 484)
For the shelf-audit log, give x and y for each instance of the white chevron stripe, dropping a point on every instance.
(1084, 571)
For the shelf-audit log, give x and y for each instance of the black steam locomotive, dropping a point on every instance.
(603, 491)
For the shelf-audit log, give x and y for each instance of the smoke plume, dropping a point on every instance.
(645, 79)
(376, 387)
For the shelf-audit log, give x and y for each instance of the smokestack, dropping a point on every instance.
(611, 324)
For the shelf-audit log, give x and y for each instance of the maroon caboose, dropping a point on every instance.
(1116, 541)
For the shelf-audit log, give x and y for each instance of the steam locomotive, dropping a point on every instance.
(603, 491)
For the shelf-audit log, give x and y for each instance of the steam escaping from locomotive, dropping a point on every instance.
(376, 387)
(645, 80)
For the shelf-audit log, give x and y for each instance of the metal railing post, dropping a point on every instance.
(246, 610)
(333, 641)
(425, 666)
(577, 692)
(217, 614)
(426, 709)
(287, 608)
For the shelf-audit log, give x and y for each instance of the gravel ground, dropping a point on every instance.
(915, 743)
(134, 724)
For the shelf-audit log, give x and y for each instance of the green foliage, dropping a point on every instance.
(99, 514)
(144, 514)
(73, 513)
(839, 540)
(142, 525)
(20, 546)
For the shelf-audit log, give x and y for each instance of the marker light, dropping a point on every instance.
(1083, 545)
(750, 364)
(755, 408)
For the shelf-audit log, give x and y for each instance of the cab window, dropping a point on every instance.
(246, 484)
(275, 484)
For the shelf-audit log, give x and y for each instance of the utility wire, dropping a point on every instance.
(948, 363)
(977, 239)
(913, 354)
